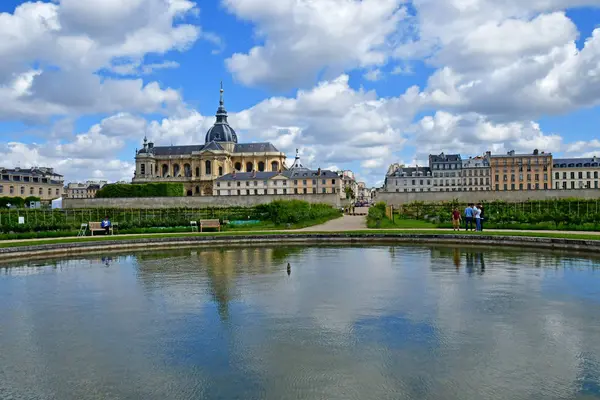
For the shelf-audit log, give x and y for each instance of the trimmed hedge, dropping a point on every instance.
(116, 190)
(17, 201)
(295, 211)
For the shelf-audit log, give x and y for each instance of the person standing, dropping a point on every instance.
(482, 218)
(477, 213)
(469, 217)
(456, 219)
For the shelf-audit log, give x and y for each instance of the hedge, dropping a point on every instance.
(294, 211)
(116, 190)
(17, 201)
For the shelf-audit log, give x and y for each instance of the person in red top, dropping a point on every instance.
(456, 218)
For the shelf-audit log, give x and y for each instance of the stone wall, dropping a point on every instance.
(464, 197)
(198, 201)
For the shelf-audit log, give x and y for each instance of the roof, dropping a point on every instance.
(183, 150)
(30, 172)
(444, 157)
(254, 148)
(513, 154)
(247, 176)
(475, 162)
(409, 170)
(583, 161)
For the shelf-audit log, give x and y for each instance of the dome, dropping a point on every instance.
(221, 131)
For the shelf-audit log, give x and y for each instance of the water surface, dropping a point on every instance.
(386, 322)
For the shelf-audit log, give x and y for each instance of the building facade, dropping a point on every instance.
(349, 182)
(408, 179)
(521, 171)
(576, 173)
(475, 174)
(87, 190)
(199, 166)
(295, 180)
(446, 172)
(40, 182)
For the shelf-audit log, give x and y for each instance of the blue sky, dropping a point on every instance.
(353, 84)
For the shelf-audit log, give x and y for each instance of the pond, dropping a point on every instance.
(344, 322)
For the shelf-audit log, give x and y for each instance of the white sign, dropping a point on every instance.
(21, 220)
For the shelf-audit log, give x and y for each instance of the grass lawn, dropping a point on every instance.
(391, 233)
(405, 224)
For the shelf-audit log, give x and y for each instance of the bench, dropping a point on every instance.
(97, 226)
(210, 223)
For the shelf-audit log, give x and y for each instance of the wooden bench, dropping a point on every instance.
(97, 226)
(210, 223)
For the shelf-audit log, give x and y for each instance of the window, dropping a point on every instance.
(1, 189)
(228, 184)
(580, 175)
(304, 182)
(208, 167)
(49, 192)
(304, 191)
(247, 183)
(261, 166)
(512, 177)
(314, 181)
(497, 178)
(220, 171)
(413, 182)
(557, 175)
(520, 186)
(31, 191)
(528, 177)
(545, 186)
(187, 170)
(249, 167)
(57, 192)
(295, 190)
(40, 192)
(595, 174)
(333, 181)
(545, 177)
(537, 177)
(295, 182)
(274, 166)
(284, 191)
(197, 171)
(22, 189)
(572, 175)
(240, 184)
(238, 166)
(314, 190)
(176, 170)
(165, 170)
(255, 183)
(255, 191)
(512, 186)
(505, 178)
(537, 186)
(325, 190)
(239, 192)
(266, 183)
(218, 185)
(564, 185)
(143, 169)
(572, 185)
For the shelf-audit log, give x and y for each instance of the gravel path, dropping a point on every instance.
(346, 223)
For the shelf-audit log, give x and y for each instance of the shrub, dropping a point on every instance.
(294, 211)
(141, 190)
(376, 215)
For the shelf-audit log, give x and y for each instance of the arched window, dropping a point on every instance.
(30, 191)
(143, 169)
(220, 171)
(197, 171)
(238, 166)
(176, 170)
(40, 192)
(249, 167)
(208, 167)
(261, 166)
(165, 170)
(197, 188)
(189, 192)
(274, 166)
(187, 169)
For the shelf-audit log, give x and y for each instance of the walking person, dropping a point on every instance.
(456, 219)
(477, 213)
(469, 217)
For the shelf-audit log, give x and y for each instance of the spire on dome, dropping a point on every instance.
(297, 164)
(221, 131)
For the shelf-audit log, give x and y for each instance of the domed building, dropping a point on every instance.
(198, 166)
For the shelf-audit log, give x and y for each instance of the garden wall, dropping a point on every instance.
(198, 202)
(397, 199)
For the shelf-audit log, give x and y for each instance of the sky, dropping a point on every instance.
(351, 84)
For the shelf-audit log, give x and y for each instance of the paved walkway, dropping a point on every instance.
(346, 223)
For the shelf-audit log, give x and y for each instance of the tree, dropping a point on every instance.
(349, 193)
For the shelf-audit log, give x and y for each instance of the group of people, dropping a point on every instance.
(474, 215)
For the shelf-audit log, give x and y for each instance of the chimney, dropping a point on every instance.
(319, 172)
(535, 152)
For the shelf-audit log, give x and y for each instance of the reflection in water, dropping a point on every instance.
(388, 322)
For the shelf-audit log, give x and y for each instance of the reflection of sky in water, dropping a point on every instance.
(348, 323)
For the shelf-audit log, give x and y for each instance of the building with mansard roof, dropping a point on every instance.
(296, 180)
(199, 166)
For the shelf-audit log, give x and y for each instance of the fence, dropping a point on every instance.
(73, 218)
(556, 211)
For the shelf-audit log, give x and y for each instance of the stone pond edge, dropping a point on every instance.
(62, 249)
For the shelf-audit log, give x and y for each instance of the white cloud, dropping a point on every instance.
(303, 37)
(373, 75)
